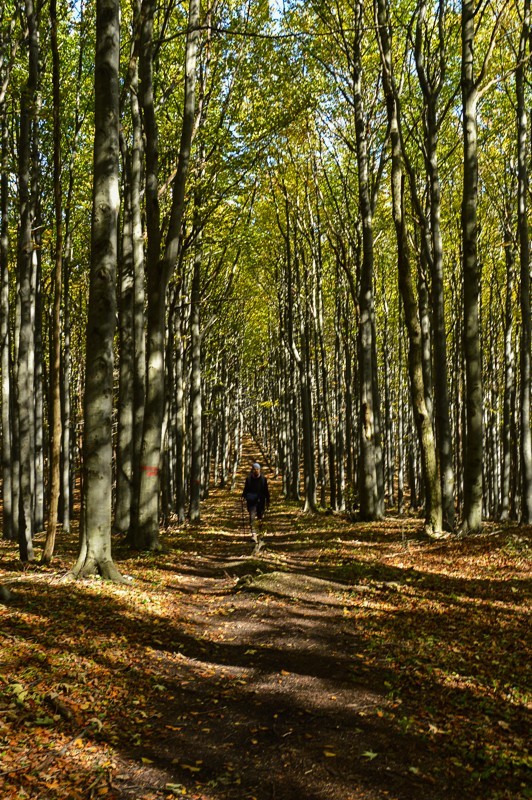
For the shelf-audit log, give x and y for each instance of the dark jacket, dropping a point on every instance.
(256, 491)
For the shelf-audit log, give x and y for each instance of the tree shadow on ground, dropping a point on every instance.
(406, 683)
(256, 696)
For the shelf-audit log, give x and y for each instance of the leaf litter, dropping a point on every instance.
(348, 662)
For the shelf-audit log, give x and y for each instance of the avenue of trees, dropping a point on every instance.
(301, 222)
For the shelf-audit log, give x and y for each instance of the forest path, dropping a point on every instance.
(289, 704)
(314, 665)
(346, 661)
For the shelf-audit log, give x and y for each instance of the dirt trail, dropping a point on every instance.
(278, 705)
(291, 695)
(345, 662)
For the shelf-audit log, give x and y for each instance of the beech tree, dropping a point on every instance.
(159, 271)
(524, 261)
(95, 550)
(8, 47)
(55, 365)
(423, 420)
(24, 481)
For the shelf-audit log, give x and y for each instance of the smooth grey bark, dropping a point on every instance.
(237, 433)
(131, 309)
(472, 512)
(524, 264)
(301, 356)
(326, 395)
(431, 79)
(426, 335)
(25, 395)
(38, 357)
(179, 421)
(370, 500)
(5, 339)
(139, 333)
(196, 409)
(125, 401)
(400, 425)
(66, 496)
(350, 437)
(509, 373)
(95, 541)
(307, 422)
(225, 423)
(423, 421)
(289, 372)
(158, 276)
(491, 418)
(5, 399)
(339, 359)
(56, 427)
(388, 409)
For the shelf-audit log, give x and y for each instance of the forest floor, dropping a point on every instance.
(346, 661)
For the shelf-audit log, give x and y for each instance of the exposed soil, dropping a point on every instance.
(344, 661)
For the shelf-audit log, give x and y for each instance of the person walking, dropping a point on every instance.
(257, 497)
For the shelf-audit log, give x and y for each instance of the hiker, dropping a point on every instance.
(257, 497)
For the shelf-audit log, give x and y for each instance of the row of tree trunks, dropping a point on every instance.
(328, 418)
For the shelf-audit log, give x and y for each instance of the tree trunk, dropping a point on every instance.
(125, 403)
(339, 448)
(195, 389)
(7, 490)
(509, 375)
(524, 261)
(431, 81)
(67, 447)
(472, 515)
(180, 437)
(370, 501)
(95, 550)
(305, 380)
(147, 530)
(38, 360)
(55, 363)
(25, 396)
(388, 413)
(433, 507)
